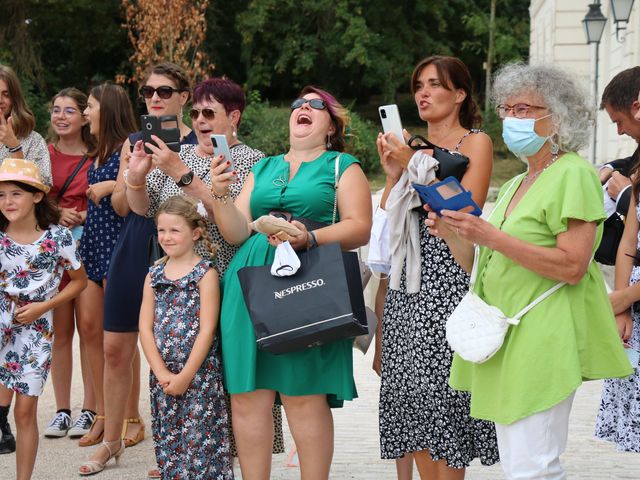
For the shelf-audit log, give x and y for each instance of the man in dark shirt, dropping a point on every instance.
(620, 100)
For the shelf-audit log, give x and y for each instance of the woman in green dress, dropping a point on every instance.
(544, 229)
(311, 381)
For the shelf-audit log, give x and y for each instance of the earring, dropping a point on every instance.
(554, 148)
(329, 141)
(234, 133)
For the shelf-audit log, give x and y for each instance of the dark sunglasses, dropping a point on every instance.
(208, 113)
(314, 103)
(163, 92)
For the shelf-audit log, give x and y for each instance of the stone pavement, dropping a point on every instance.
(356, 443)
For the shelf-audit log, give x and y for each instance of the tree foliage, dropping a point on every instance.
(167, 30)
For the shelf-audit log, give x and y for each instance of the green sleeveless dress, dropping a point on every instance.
(327, 369)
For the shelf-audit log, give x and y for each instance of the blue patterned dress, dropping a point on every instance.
(30, 273)
(102, 226)
(190, 432)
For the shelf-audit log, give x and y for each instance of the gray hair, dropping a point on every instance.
(565, 98)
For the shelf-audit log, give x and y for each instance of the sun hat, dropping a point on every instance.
(23, 171)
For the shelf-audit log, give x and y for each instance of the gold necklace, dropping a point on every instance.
(529, 178)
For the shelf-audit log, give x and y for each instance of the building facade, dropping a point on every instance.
(557, 37)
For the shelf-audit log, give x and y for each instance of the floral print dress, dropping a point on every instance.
(618, 418)
(30, 273)
(190, 432)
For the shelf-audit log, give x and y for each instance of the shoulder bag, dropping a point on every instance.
(476, 330)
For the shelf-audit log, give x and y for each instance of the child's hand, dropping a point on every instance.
(164, 377)
(30, 313)
(178, 384)
(98, 191)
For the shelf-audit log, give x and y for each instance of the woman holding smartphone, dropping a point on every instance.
(165, 90)
(217, 109)
(415, 398)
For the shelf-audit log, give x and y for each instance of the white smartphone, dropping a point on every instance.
(221, 147)
(390, 118)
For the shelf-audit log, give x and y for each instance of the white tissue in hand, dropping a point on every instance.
(286, 262)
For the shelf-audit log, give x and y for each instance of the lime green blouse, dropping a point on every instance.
(569, 337)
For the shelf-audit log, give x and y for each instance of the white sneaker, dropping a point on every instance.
(82, 425)
(59, 425)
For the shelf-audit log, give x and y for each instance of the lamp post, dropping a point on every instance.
(621, 11)
(594, 22)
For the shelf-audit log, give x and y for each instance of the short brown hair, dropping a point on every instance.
(174, 72)
(622, 90)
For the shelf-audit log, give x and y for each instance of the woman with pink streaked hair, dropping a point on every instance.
(310, 382)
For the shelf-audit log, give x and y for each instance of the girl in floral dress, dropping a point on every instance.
(178, 321)
(34, 253)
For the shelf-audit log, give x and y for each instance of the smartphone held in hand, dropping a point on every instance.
(221, 147)
(390, 118)
(165, 127)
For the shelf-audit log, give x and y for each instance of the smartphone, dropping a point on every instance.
(221, 147)
(448, 194)
(164, 127)
(390, 118)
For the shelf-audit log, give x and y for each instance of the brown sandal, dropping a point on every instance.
(86, 440)
(128, 441)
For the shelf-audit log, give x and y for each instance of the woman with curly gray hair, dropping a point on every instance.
(541, 234)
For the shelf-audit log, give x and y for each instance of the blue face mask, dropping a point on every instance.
(520, 137)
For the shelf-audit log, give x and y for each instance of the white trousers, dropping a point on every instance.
(530, 448)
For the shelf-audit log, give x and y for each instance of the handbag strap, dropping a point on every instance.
(72, 176)
(474, 271)
(335, 187)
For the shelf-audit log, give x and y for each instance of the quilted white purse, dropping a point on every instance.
(476, 330)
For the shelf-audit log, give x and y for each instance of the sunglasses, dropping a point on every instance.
(208, 113)
(68, 111)
(163, 92)
(314, 103)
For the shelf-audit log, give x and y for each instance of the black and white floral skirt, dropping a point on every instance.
(418, 409)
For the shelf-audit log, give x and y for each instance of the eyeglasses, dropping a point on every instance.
(68, 111)
(520, 110)
(208, 113)
(163, 92)
(314, 103)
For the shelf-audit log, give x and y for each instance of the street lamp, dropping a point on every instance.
(594, 22)
(621, 10)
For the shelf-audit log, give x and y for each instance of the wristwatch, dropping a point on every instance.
(185, 179)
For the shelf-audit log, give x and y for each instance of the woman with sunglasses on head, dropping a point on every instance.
(165, 90)
(539, 239)
(18, 139)
(419, 412)
(308, 382)
(69, 150)
(110, 117)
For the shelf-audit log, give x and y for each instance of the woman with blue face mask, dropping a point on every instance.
(542, 233)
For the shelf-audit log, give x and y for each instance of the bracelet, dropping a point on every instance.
(220, 198)
(314, 240)
(15, 149)
(134, 187)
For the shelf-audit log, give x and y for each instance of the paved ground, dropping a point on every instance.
(356, 444)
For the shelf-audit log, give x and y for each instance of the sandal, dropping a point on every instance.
(86, 440)
(153, 473)
(91, 467)
(128, 441)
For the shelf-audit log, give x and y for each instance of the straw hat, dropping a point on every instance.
(23, 171)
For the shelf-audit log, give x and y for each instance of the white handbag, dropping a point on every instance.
(476, 330)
